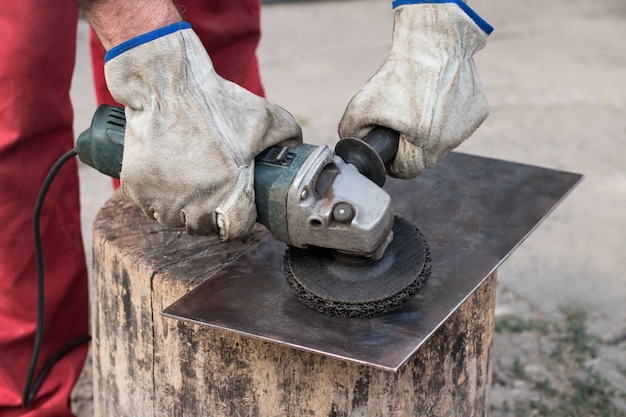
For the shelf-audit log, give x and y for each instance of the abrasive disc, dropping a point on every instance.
(333, 287)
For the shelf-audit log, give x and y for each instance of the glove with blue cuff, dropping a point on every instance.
(428, 88)
(191, 136)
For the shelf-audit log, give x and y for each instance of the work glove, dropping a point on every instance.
(191, 136)
(428, 88)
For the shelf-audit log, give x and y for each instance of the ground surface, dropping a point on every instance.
(555, 77)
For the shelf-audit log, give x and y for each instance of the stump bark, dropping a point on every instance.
(149, 365)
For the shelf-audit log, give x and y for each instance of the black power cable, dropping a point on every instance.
(30, 389)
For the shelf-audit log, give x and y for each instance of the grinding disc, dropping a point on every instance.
(323, 283)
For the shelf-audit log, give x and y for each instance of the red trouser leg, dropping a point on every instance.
(230, 31)
(37, 53)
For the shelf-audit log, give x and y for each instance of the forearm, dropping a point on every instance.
(116, 21)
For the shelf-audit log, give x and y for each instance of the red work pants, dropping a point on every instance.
(37, 52)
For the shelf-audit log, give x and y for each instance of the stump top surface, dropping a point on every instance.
(473, 211)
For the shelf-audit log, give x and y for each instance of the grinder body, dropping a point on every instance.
(306, 196)
(348, 255)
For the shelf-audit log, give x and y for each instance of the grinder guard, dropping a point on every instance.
(328, 204)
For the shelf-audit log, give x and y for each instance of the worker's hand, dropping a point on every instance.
(191, 136)
(427, 89)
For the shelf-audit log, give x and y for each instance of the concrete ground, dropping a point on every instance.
(555, 77)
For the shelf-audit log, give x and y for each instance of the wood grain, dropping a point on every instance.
(148, 365)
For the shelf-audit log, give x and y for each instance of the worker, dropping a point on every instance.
(195, 121)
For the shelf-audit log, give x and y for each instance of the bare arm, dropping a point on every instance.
(116, 21)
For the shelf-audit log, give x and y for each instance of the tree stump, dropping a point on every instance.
(149, 365)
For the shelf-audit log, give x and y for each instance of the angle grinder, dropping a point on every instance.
(348, 255)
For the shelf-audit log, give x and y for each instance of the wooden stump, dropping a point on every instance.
(148, 365)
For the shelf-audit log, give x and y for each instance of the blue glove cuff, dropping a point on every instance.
(486, 27)
(145, 38)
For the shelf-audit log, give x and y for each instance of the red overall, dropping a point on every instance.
(37, 53)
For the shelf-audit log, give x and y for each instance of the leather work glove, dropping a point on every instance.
(427, 89)
(191, 136)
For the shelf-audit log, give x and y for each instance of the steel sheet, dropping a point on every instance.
(473, 211)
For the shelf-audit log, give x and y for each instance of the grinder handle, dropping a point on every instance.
(384, 141)
(371, 154)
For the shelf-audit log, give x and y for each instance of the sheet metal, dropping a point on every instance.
(473, 211)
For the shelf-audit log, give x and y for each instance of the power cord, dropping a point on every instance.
(30, 389)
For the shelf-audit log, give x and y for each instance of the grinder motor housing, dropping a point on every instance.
(307, 196)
